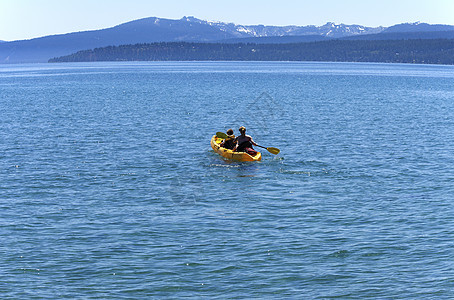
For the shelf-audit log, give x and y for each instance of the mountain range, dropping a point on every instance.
(190, 29)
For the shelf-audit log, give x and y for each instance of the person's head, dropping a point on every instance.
(230, 131)
(242, 130)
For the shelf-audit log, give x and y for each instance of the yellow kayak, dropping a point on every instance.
(227, 153)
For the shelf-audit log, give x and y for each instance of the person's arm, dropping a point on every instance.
(252, 142)
(235, 141)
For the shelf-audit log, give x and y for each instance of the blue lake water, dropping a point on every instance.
(109, 187)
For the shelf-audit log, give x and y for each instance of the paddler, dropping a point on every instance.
(229, 142)
(245, 142)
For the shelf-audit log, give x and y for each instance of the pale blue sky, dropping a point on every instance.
(24, 19)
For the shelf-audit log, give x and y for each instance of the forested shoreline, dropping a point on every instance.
(421, 51)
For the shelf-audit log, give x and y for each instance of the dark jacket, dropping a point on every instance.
(229, 142)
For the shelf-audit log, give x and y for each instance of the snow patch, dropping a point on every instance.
(242, 29)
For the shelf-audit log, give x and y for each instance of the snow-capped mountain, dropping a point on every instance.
(328, 30)
(191, 29)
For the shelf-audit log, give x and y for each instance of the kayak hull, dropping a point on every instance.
(227, 153)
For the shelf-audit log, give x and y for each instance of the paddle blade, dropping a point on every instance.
(273, 150)
(221, 135)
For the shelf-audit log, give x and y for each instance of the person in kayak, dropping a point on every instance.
(229, 142)
(245, 143)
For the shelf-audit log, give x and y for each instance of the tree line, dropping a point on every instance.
(421, 51)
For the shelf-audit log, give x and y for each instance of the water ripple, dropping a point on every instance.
(109, 188)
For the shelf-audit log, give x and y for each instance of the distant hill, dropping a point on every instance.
(278, 39)
(385, 35)
(418, 27)
(424, 35)
(389, 51)
(188, 29)
(140, 31)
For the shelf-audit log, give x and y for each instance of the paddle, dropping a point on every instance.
(272, 150)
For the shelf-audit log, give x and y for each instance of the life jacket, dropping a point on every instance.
(229, 142)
